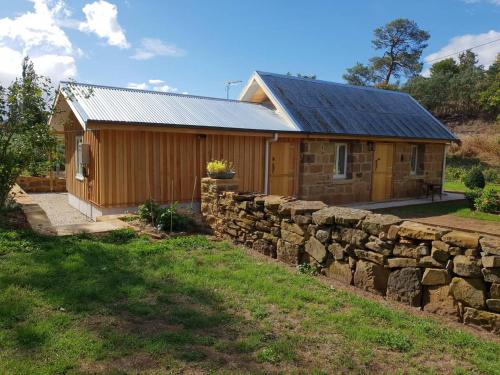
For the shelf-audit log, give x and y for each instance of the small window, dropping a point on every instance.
(340, 161)
(413, 160)
(78, 157)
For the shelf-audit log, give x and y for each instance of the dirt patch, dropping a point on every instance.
(136, 362)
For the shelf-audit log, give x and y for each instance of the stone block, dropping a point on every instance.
(419, 231)
(370, 255)
(406, 251)
(393, 232)
(288, 252)
(377, 223)
(490, 245)
(437, 300)
(440, 245)
(401, 262)
(495, 291)
(404, 285)
(466, 266)
(485, 319)
(292, 237)
(262, 246)
(292, 227)
(300, 207)
(340, 271)
(337, 250)
(316, 249)
(493, 304)
(491, 275)
(490, 261)
(430, 262)
(355, 237)
(440, 255)
(433, 276)
(371, 277)
(302, 219)
(468, 291)
(461, 239)
(323, 235)
(339, 215)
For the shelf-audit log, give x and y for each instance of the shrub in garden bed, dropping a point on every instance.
(475, 179)
(164, 218)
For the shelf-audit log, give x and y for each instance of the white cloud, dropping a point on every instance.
(155, 85)
(494, 2)
(102, 19)
(36, 33)
(485, 54)
(152, 47)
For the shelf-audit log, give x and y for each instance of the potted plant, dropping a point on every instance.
(221, 169)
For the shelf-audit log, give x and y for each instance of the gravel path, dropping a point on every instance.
(58, 210)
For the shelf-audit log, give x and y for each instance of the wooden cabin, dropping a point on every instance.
(285, 135)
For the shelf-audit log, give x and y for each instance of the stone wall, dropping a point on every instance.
(32, 184)
(317, 160)
(436, 269)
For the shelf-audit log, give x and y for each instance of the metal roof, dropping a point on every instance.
(122, 105)
(326, 107)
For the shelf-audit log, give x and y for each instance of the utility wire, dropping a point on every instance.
(454, 53)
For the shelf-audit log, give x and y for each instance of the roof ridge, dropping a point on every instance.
(320, 81)
(155, 92)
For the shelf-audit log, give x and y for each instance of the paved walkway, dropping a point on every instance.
(58, 209)
(51, 214)
(447, 196)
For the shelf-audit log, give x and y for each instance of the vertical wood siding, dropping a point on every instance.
(138, 165)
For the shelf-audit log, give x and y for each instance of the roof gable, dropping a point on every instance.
(316, 106)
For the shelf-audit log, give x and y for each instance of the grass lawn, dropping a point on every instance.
(126, 305)
(457, 208)
(459, 187)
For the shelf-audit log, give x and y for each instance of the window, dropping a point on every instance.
(414, 160)
(78, 157)
(340, 161)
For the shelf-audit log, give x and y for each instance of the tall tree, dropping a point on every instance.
(25, 137)
(402, 43)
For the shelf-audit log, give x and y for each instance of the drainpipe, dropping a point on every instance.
(444, 167)
(266, 166)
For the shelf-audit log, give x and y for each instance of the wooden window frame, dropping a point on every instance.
(78, 158)
(337, 175)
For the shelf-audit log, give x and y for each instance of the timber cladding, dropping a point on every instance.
(130, 166)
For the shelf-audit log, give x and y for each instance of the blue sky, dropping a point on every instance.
(195, 46)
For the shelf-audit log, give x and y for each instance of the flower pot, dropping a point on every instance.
(222, 175)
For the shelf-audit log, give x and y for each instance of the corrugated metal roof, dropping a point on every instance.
(327, 107)
(113, 104)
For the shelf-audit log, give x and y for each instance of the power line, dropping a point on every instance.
(467, 49)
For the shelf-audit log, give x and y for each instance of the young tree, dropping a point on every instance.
(402, 43)
(25, 137)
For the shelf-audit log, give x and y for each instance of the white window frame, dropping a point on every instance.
(414, 167)
(337, 175)
(78, 157)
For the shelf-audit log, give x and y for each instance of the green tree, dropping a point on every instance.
(25, 137)
(490, 97)
(402, 43)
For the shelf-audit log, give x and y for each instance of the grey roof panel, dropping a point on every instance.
(327, 107)
(112, 104)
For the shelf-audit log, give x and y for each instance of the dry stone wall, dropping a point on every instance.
(439, 270)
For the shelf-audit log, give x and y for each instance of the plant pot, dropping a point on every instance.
(222, 175)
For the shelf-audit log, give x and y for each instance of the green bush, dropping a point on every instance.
(150, 212)
(171, 219)
(455, 173)
(475, 179)
(488, 201)
(492, 175)
(471, 197)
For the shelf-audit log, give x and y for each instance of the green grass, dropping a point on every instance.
(459, 187)
(122, 304)
(457, 208)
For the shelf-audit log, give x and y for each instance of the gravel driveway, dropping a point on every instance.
(58, 210)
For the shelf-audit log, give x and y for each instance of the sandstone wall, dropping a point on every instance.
(32, 184)
(317, 160)
(436, 269)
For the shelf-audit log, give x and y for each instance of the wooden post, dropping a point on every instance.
(51, 174)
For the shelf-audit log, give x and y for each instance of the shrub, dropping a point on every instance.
(150, 211)
(475, 179)
(219, 166)
(171, 219)
(455, 173)
(471, 197)
(488, 201)
(492, 175)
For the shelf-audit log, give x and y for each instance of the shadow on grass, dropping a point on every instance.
(124, 305)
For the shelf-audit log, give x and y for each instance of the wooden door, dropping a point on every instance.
(382, 171)
(283, 168)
